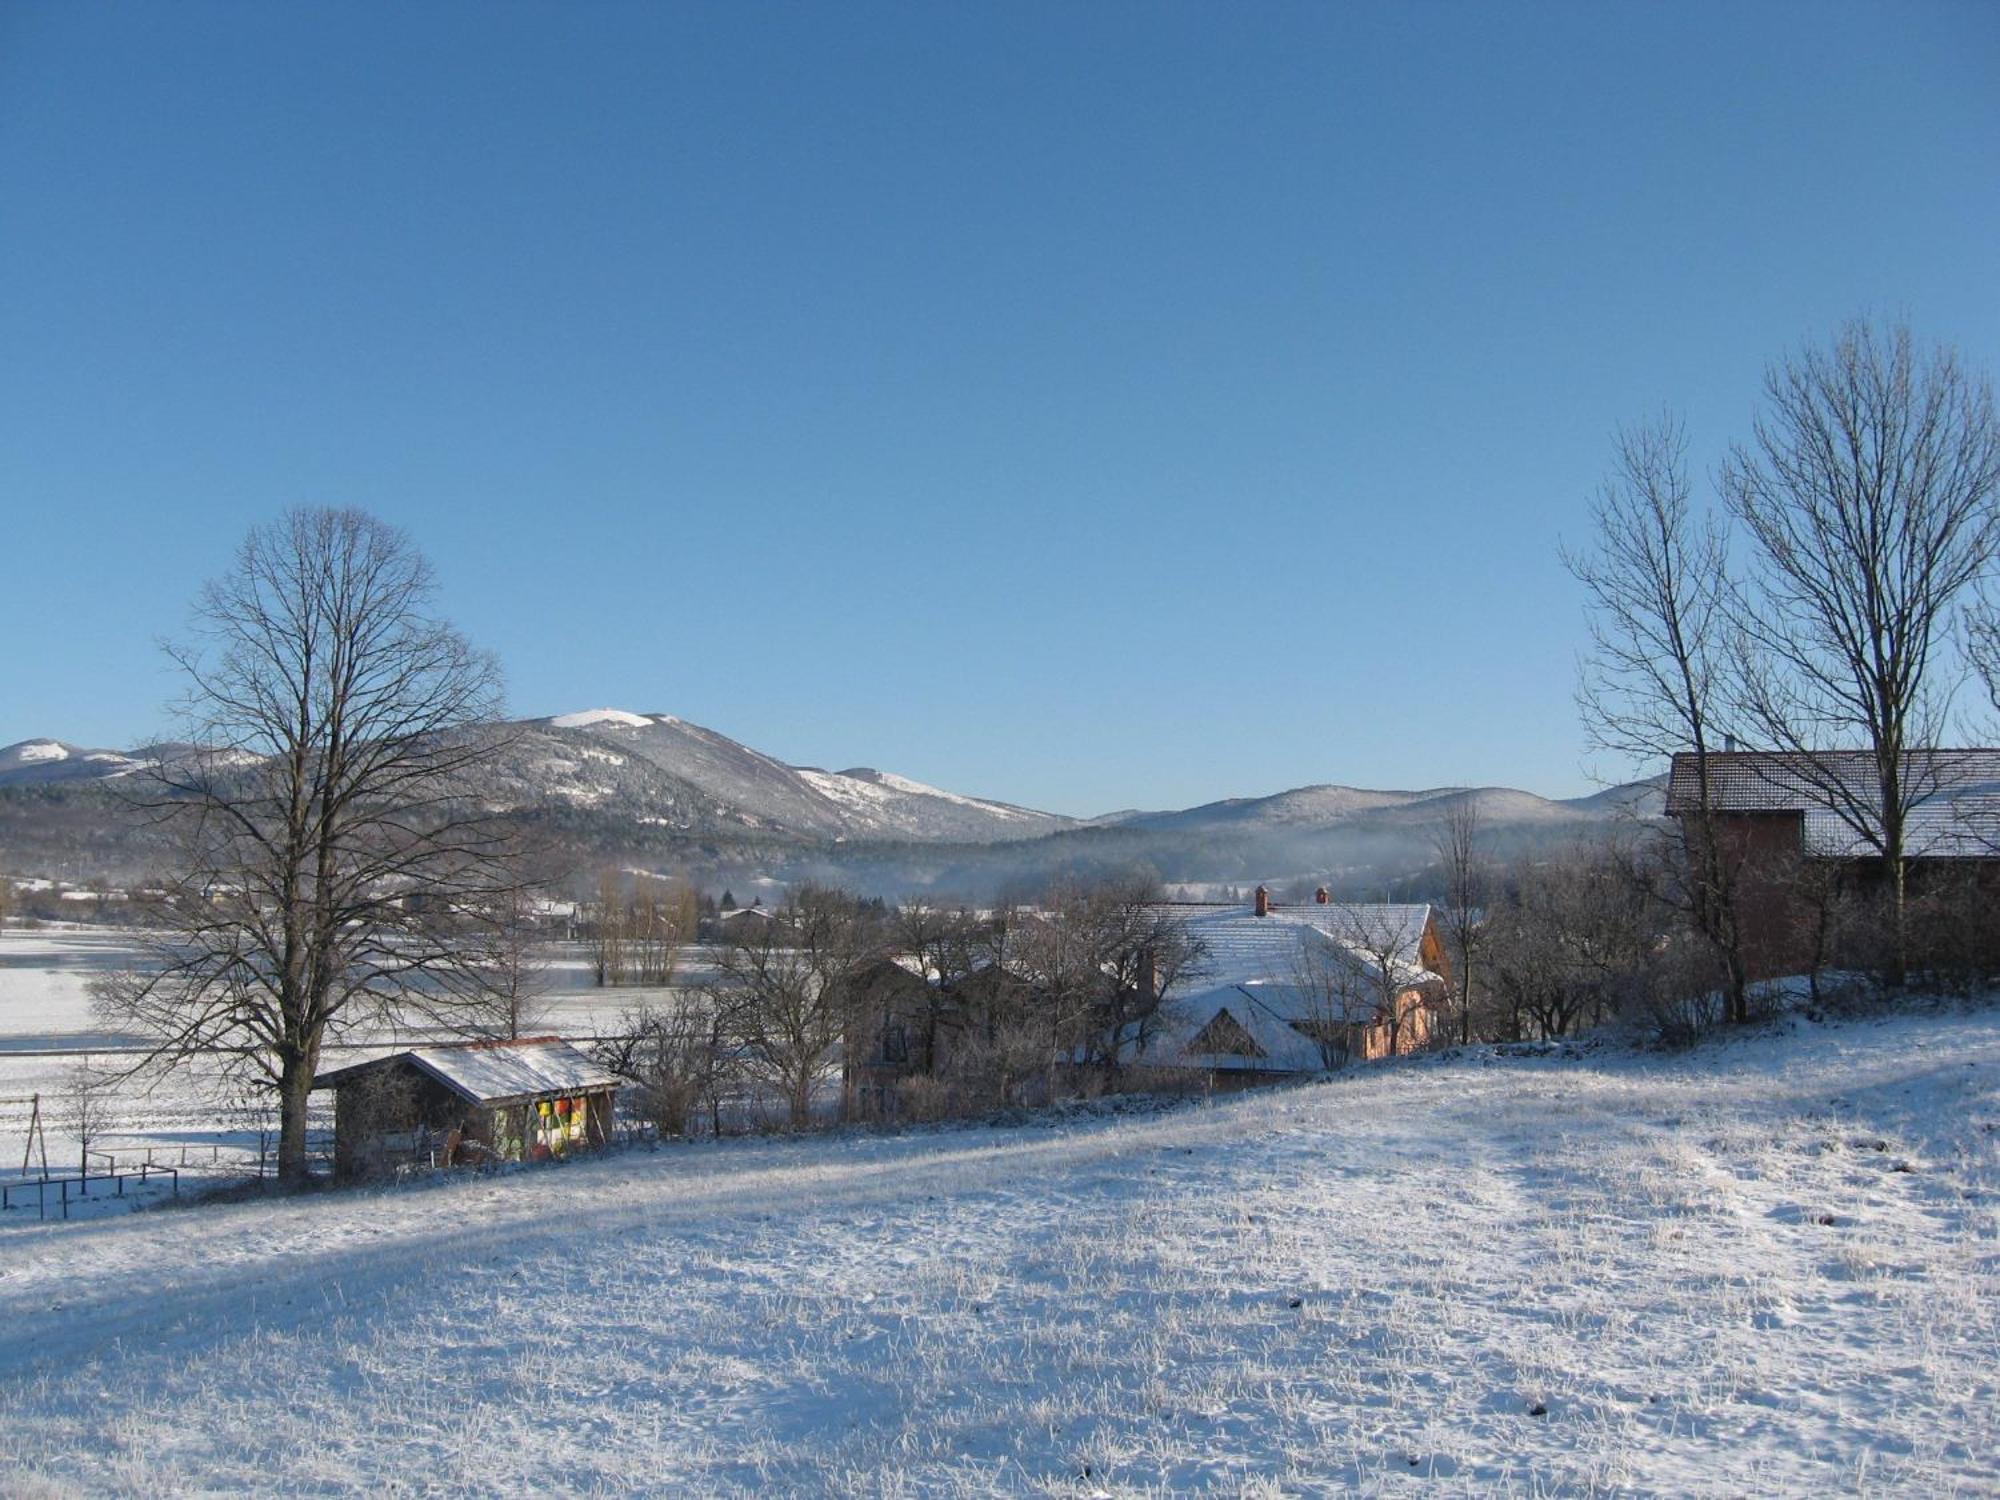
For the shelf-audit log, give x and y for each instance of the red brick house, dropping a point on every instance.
(1798, 831)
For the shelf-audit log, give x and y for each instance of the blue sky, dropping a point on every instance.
(1093, 406)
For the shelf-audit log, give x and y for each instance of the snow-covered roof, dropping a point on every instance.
(1244, 948)
(1252, 970)
(1956, 813)
(1266, 1012)
(498, 1073)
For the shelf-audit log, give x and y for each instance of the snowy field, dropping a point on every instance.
(1769, 1267)
(47, 1032)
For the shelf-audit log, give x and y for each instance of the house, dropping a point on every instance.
(469, 1103)
(748, 925)
(890, 1010)
(1797, 831)
(1285, 990)
(903, 1025)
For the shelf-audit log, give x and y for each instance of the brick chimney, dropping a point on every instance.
(1323, 896)
(1263, 902)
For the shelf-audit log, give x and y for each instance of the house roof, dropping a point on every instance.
(1244, 948)
(496, 1073)
(1252, 972)
(1267, 1013)
(1955, 814)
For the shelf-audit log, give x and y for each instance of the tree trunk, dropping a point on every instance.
(1739, 984)
(801, 1102)
(1899, 920)
(295, 1082)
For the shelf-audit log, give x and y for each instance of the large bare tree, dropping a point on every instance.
(942, 944)
(1656, 682)
(330, 857)
(1871, 493)
(1105, 962)
(784, 992)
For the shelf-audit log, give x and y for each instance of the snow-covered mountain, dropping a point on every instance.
(1311, 807)
(664, 771)
(613, 786)
(40, 762)
(658, 772)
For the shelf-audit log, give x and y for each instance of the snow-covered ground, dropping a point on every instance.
(48, 1032)
(1771, 1266)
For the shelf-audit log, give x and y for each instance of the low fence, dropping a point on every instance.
(77, 1187)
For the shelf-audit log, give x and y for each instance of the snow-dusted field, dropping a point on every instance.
(1770, 1267)
(47, 1031)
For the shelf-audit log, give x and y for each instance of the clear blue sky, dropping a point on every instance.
(1090, 405)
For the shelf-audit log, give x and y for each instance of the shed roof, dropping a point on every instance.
(496, 1073)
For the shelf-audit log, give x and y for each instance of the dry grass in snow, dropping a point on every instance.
(1767, 1267)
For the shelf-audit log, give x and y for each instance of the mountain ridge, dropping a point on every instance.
(614, 785)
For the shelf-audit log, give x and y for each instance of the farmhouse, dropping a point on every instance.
(1802, 835)
(468, 1104)
(1298, 989)
(1279, 990)
(739, 924)
(902, 1025)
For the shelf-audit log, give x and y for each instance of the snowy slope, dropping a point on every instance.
(40, 762)
(1320, 807)
(659, 770)
(1764, 1268)
(692, 776)
(616, 785)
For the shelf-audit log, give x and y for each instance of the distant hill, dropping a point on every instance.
(650, 790)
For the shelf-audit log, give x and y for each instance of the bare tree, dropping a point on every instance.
(1872, 494)
(1143, 955)
(1573, 940)
(507, 967)
(83, 1107)
(329, 851)
(941, 944)
(1104, 961)
(1460, 857)
(1385, 953)
(1003, 1045)
(662, 922)
(1336, 999)
(1655, 683)
(678, 1055)
(783, 992)
(1052, 947)
(606, 929)
(637, 929)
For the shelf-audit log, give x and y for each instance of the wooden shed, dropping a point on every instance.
(468, 1104)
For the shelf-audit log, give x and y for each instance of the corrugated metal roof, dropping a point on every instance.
(500, 1072)
(1956, 814)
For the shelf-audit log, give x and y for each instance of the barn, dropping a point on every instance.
(1802, 835)
(468, 1104)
